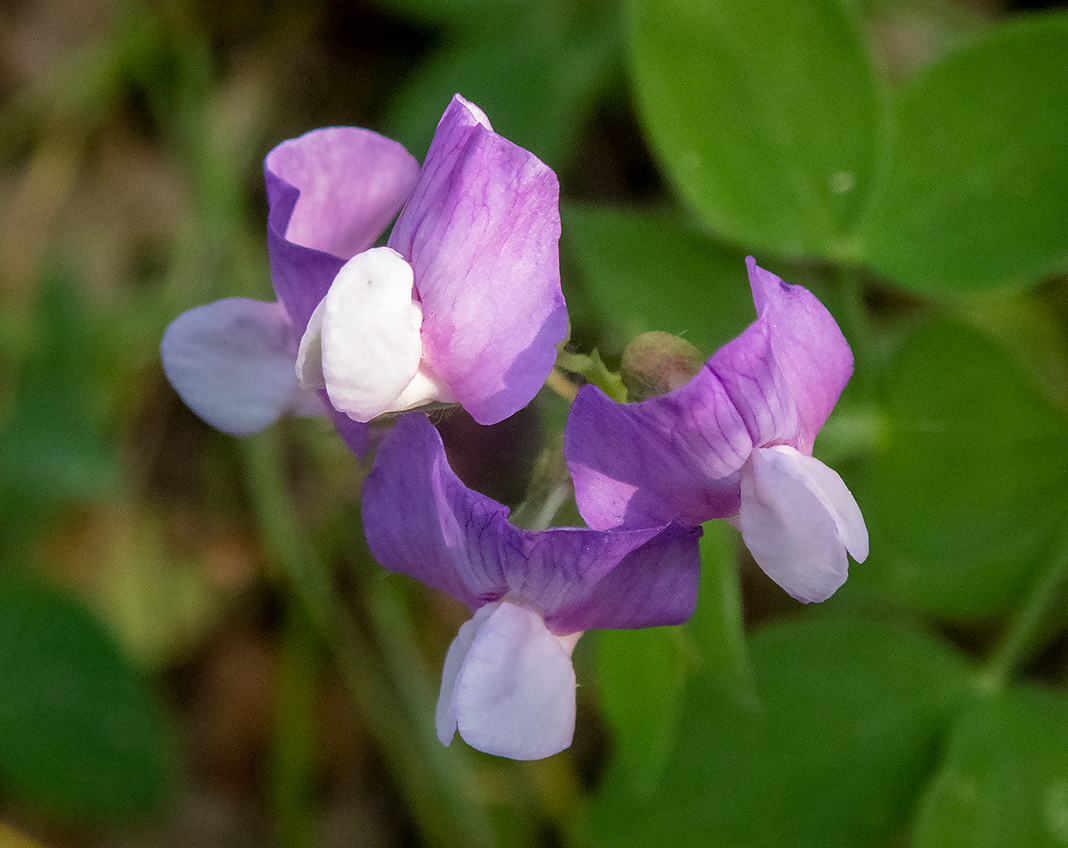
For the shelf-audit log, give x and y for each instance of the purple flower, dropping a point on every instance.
(463, 305)
(735, 442)
(508, 685)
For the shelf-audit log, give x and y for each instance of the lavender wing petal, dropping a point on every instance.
(232, 362)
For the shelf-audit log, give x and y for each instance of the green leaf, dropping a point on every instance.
(1005, 778)
(846, 730)
(79, 729)
(536, 71)
(972, 485)
(646, 271)
(54, 443)
(640, 676)
(975, 195)
(717, 627)
(766, 116)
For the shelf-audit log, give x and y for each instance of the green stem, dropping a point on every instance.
(858, 328)
(292, 756)
(1023, 636)
(439, 804)
(718, 622)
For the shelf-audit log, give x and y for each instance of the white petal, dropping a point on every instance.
(840, 503)
(797, 519)
(515, 692)
(310, 351)
(232, 363)
(445, 714)
(363, 338)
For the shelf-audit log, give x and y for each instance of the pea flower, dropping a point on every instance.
(508, 685)
(735, 442)
(463, 305)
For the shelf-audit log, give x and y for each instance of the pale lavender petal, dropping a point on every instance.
(331, 193)
(786, 371)
(445, 714)
(669, 458)
(420, 519)
(232, 362)
(515, 692)
(836, 497)
(481, 231)
(788, 526)
(653, 586)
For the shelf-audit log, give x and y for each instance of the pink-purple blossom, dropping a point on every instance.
(508, 685)
(463, 305)
(735, 442)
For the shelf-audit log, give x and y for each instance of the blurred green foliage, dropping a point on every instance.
(906, 159)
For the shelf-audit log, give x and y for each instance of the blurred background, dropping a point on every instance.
(193, 617)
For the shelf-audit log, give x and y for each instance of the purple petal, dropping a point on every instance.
(232, 362)
(555, 570)
(355, 434)
(331, 193)
(785, 372)
(481, 231)
(420, 520)
(790, 523)
(514, 695)
(652, 586)
(669, 458)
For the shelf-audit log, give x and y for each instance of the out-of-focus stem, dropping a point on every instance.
(718, 622)
(857, 328)
(1019, 641)
(294, 735)
(439, 804)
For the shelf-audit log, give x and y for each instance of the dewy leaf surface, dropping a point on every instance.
(767, 116)
(972, 485)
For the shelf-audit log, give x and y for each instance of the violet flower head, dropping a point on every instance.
(508, 685)
(735, 442)
(463, 305)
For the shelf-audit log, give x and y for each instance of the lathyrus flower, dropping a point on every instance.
(462, 306)
(508, 685)
(734, 442)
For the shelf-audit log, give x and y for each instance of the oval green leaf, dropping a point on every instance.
(767, 116)
(975, 195)
(843, 736)
(965, 499)
(1005, 778)
(80, 732)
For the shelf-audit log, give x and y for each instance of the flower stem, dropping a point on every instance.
(857, 327)
(1020, 640)
(445, 814)
(718, 623)
(292, 778)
